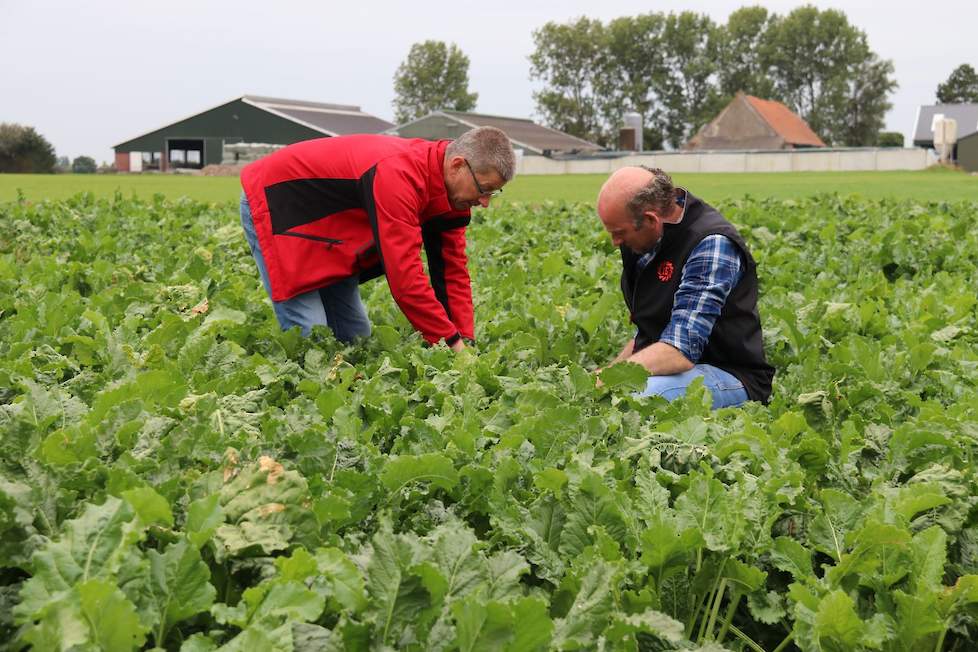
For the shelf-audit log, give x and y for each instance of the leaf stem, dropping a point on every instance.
(783, 644)
(728, 617)
(705, 602)
(716, 608)
(746, 639)
(709, 601)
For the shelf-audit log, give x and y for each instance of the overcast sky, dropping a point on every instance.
(88, 75)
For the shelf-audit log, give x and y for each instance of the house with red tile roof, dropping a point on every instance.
(749, 122)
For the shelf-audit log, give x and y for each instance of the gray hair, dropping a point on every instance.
(658, 194)
(485, 148)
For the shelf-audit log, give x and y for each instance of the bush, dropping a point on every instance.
(22, 149)
(890, 139)
(83, 165)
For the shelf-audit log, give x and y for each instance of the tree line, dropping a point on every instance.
(678, 70)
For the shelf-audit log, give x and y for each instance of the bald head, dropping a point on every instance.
(621, 187)
(633, 199)
(637, 189)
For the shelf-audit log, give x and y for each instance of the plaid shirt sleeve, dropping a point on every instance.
(711, 271)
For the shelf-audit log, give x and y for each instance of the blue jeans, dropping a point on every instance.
(727, 391)
(338, 305)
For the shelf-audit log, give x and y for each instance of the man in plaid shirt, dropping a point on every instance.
(691, 287)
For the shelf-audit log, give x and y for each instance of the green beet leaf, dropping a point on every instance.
(790, 556)
(204, 516)
(590, 608)
(179, 586)
(482, 626)
(270, 604)
(593, 504)
(397, 595)
(343, 577)
(917, 618)
(743, 578)
(93, 546)
(837, 626)
(532, 626)
(401, 471)
(150, 507)
(625, 375)
(454, 555)
(504, 570)
(650, 622)
(665, 549)
(112, 618)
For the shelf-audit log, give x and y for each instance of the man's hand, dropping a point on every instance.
(458, 345)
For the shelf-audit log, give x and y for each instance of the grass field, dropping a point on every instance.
(927, 185)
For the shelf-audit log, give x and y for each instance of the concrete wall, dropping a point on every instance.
(807, 160)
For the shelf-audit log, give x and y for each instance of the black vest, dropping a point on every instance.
(735, 344)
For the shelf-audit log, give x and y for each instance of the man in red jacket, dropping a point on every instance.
(322, 216)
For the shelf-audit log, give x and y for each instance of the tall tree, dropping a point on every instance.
(744, 53)
(811, 52)
(571, 61)
(961, 86)
(434, 76)
(687, 89)
(825, 71)
(867, 101)
(636, 66)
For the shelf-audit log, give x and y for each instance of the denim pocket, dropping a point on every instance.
(722, 380)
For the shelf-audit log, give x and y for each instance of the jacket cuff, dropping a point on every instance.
(453, 338)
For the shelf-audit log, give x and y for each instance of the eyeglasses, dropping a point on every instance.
(478, 186)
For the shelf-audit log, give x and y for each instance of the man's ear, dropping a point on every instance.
(456, 162)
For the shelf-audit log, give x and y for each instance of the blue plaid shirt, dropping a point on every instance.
(711, 271)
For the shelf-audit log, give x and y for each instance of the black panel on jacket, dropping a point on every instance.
(431, 233)
(301, 201)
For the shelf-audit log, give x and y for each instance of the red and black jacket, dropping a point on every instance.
(364, 205)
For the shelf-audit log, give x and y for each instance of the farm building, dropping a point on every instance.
(200, 139)
(966, 117)
(749, 122)
(525, 134)
(967, 150)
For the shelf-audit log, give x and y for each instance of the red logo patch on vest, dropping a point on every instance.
(666, 268)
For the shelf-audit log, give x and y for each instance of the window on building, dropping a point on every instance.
(151, 160)
(186, 152)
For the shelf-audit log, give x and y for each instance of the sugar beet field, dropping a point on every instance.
(177, 474)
